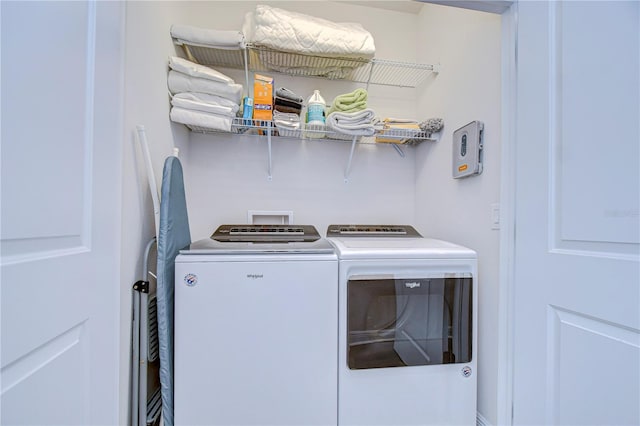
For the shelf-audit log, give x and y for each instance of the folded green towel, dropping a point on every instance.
(349, 102)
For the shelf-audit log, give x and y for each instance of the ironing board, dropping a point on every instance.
(145, 366)
(173, 235)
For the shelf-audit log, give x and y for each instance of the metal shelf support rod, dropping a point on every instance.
(348, 169)
(269, 177)
(248, 90)
(398, 150)
(371, 65)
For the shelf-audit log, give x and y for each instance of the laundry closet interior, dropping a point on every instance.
(324, 181)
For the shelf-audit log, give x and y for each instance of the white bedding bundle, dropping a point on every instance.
(196, 70)
(179, 82)
(201, 119)
(203, 97)
(204, 102)
(340, 44)
(298, 33)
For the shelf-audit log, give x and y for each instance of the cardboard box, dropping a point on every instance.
(398, 131)
(262, 97)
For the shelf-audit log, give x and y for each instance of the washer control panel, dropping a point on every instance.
(266, 233)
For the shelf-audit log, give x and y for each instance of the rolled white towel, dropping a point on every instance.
(196, 70)
(219, 39)
(201, 119)
(205, 103)
(359, 123)
(179, 82)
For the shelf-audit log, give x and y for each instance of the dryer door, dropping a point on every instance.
(395, 322)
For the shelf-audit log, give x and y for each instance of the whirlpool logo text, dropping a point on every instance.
(255, 276)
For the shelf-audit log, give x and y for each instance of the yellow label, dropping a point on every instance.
(462, 168)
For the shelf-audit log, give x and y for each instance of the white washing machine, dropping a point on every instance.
(256, 328)
(407, 328)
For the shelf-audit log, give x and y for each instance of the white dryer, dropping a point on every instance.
(256, 320)
(407, 328)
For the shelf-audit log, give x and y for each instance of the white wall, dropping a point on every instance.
(225, 176)
(146, 103)
(467, 44)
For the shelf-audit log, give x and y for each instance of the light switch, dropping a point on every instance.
(495, 216)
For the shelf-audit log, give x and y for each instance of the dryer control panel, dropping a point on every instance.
(395, 231)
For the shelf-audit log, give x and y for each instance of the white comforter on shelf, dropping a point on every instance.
(283, 30)
(203, 102)
(179, 82)
(201, 119)
(196, 70)
(219, 39)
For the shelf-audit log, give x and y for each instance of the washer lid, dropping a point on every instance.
(376, 248)
(209, 246)
(398, 248)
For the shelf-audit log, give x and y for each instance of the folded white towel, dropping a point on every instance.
(205, 103)
(179, 82)
(201, 119)
(359, 123)
(218, 39)
(196, 70)
(286, 120)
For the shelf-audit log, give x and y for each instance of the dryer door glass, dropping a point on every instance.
(403, 322)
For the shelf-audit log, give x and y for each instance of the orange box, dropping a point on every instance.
(262, 97)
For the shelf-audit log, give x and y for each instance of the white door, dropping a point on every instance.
(61, 148)
(577, 280)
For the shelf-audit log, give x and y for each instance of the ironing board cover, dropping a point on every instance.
(173, 235)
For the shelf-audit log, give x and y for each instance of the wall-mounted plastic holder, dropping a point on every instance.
(467, 150)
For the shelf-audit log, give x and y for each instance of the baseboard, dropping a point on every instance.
(481, 421)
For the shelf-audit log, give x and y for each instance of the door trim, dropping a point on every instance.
(505, 350)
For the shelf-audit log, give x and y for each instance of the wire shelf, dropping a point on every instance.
(369, 71)
(242, 126)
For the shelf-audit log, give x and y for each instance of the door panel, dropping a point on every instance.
(577, 274)
(46, 96)
(584, 350)
(594, 126)
(32, 377)
(61, 127)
